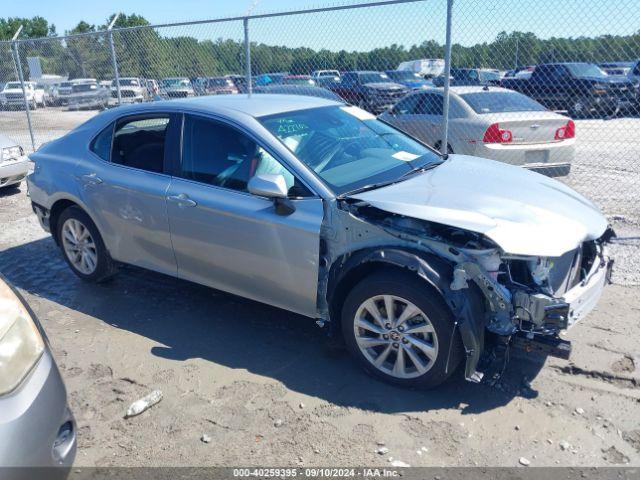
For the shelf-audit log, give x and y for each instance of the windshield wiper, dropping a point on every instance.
(421, 169)
(371, 186)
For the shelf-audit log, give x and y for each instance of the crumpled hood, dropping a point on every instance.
(525, 213)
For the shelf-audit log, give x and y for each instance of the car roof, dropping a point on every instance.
(258, 105)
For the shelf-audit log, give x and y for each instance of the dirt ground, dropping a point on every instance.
(268, 390)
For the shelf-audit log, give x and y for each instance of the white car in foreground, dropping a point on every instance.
(14, 164)
(490, 122)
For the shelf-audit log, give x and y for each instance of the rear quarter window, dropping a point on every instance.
(101, 145)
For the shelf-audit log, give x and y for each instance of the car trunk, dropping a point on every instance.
(528, 127)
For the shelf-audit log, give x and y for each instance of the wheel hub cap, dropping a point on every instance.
(395, 336)
(79, 246)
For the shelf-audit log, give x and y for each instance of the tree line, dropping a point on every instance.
(158, 53)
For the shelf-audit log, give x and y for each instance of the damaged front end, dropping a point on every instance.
(499, 300)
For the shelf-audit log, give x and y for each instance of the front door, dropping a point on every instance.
(229, 239)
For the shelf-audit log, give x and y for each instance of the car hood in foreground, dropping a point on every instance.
(525, 213)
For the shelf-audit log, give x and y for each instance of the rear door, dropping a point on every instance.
(124, 187)
(229, 239)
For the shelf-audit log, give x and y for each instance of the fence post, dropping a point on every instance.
(447, 73)
(114, 60)
(18, 65)
(247, 56)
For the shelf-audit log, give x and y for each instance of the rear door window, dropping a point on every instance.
(139, 142)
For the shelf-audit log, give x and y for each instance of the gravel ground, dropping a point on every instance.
(268, 390)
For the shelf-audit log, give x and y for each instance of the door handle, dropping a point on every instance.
(91, 179)
(182, 200)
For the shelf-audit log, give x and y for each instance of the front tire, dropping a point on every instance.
(82, 246)
(400, 330)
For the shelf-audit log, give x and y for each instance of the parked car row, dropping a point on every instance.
(12, 95)
(582, 89)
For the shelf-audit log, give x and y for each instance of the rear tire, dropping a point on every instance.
(82, 246)
(422, 340)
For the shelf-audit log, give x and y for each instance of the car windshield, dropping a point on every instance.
(12, 85)
(498, 102)
(129, 82)
(348, 148)
(65, 84)
(404, 76)
(176, 82)
(586, 70)
(373, 77)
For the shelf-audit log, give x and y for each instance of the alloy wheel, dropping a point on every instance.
(79, 246)
(395, 336)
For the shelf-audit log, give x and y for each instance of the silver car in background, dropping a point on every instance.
(490, 122)
(319, 208)
(37, 428)
(14, 164)
(176, 87)
(88, 96)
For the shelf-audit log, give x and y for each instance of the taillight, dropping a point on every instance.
(566, 131)
(495, 134)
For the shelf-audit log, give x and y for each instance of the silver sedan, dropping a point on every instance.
(490, 122)
(317, 207)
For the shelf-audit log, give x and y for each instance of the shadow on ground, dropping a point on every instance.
(192, 321)
(9, 191)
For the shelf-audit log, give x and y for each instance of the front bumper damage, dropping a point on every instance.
(531, 319)
(494, 306)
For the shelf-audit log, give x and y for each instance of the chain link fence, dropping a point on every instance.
(535, 84)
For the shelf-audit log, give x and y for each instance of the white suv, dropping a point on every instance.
(12, 95)
(132, 90)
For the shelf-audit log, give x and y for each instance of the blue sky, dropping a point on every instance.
(474, 20)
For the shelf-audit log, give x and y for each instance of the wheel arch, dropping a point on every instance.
(352, 267)
(60, 205)
(467, 306)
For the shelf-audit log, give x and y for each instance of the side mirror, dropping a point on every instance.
(272, 186)
(268, 185)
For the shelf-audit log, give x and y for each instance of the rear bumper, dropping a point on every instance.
(37, 428)
(43, 216)
(551, 170)
(552, 159)
(13, 172)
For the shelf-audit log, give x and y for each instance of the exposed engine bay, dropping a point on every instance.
(527, 300)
